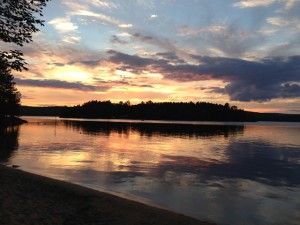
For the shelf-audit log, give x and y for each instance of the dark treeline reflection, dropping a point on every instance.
(150, 129)
(257, 161)
(8, 142)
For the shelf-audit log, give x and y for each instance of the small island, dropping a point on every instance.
(172, 111)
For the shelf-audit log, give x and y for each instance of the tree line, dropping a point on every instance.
(19, 19)
(190, 111)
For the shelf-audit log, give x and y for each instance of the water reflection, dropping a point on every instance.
(262, 163)
(227, 174)
(8, 142)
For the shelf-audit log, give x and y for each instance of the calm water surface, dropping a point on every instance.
(230, 174)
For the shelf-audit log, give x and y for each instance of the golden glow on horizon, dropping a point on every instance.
(119, 85)
(71, 73)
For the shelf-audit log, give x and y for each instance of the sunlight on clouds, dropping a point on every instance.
(153, 16)
(124, 74)
(155, 75)
(71, 73)
(124, 34)
(99, 16)
(157, 50)
(74, 6)
(36, 96)
(277, 21)
(282, 22)
(288, 4)
(101, 3)
(71, 39)
(253, 3)
(125, 25)
(63, 24)
(216, 52)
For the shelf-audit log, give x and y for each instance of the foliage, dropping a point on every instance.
(13, 59)
(9, 95)
(18, 21)
(199, 111)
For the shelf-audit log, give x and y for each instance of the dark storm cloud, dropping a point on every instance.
(168, 55)
(171, 56)
(59, 84)
(256, 80)
(261, 80)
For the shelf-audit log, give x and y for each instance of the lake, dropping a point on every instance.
(228, 173)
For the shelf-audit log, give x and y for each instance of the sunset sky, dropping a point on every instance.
(243, 52)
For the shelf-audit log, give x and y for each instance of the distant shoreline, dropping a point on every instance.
(28, 199)
(57, 111)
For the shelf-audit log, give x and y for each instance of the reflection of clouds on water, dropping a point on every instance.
(262, 162)
(254, 160)
(223, 173)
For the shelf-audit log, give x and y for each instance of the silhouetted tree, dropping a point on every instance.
(9, 95)
(18, 21)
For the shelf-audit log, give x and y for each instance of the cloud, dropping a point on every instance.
(171, 56)
(158, 42)
(56, 64)
(253, 3)
(152, 17)
(103, 4)
(129, 25)
(288, 4)
(261, 80)
(142, 37)
(292, 47)
(99, 16)
(88, 63)
(132, 60)
(63, 24)
(116, 40)
(60, 85)
(71, 39)
(292, 23)
(148, 4)
(224, 39)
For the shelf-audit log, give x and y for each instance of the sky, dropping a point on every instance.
(245, 52)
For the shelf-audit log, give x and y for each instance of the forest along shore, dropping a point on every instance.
(11, 121)
(31, 199)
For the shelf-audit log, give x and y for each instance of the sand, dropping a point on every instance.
(30, 199)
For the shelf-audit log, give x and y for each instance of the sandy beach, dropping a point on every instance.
(31, 199)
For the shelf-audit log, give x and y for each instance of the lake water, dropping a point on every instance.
(226, 173)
